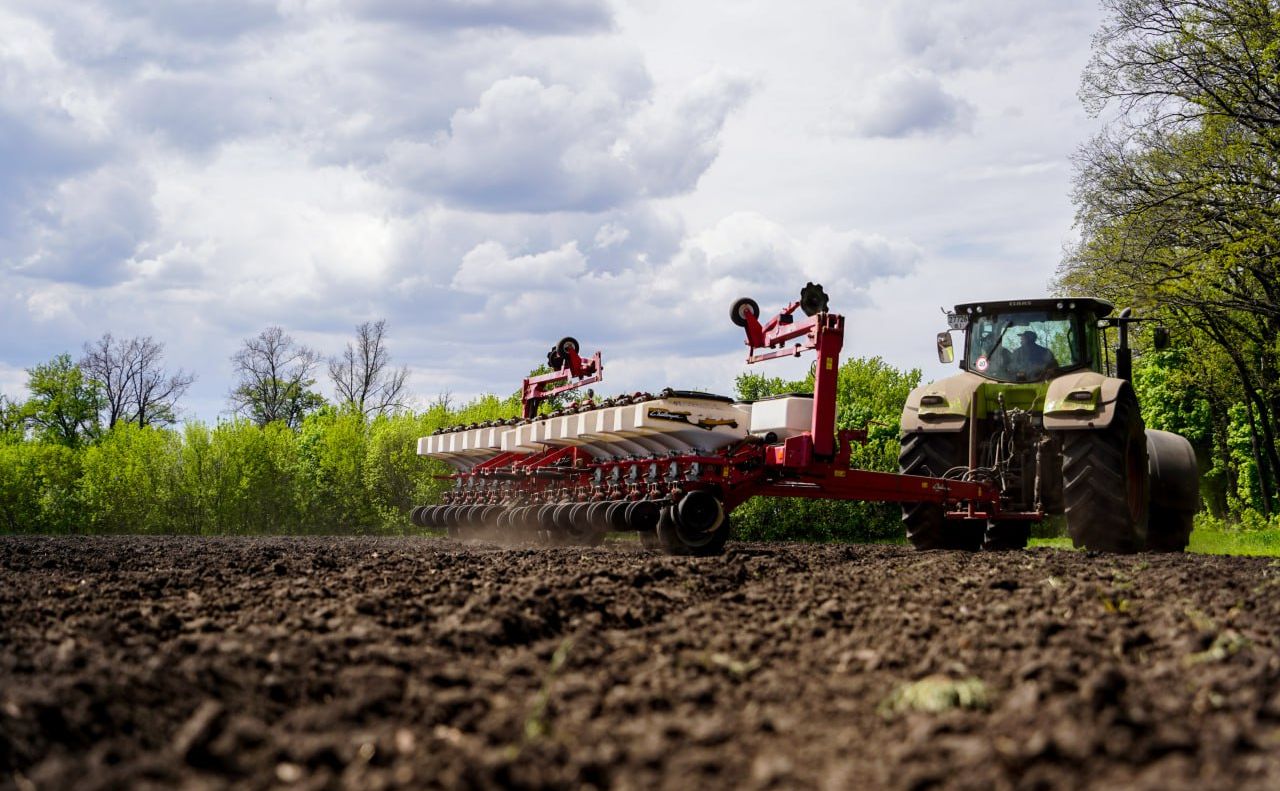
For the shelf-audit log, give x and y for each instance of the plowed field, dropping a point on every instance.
(374, 663)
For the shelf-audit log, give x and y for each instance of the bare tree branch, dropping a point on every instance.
(136, 388)
(274, 379)
(362, 375)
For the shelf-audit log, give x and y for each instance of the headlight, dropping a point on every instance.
(1080, 395)
(933, 400)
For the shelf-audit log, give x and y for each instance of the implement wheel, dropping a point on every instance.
(1105, 483)
(741, 309)
(927, 527)
(697, 525)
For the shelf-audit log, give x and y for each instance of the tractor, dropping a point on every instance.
(1039, 412)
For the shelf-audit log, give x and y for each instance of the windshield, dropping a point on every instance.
(1025, 346)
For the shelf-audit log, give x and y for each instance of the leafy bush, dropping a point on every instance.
(39, 488)
(869, 394)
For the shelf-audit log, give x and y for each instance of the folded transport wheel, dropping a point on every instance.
(1175, 491)
(697, 525)
(566, 345)
(741, 309)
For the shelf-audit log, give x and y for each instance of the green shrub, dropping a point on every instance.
(131, 479)
(40, 488)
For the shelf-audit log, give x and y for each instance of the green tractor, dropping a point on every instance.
(1036, 412)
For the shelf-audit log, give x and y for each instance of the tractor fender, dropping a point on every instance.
(941, 406)
(1082, 400)
(1174, 473)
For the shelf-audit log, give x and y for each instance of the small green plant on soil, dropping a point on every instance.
(936, 694)
(535, 724)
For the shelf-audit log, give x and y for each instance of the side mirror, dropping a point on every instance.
(1160, 337)
(946, 352)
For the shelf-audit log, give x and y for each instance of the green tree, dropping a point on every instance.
(39, 488)
(13, 421)
(64, 403)
(274, 379)
(1178, 200)
(132, 482)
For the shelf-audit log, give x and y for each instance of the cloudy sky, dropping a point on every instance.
(491, 175)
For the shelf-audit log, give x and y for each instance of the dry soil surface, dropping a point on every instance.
(418, 662)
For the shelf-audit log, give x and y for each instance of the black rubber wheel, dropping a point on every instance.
(1004, 535)
(1169, 529)
(697, 526)
(738, 313)
(927, 526)
(1104, 482)
(565, 344)
(1174, 481)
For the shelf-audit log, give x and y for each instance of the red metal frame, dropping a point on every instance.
(813, 464)
(576, 372)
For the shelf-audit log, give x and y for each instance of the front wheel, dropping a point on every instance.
(1104, 482)
(1004, 535)
(927, 526)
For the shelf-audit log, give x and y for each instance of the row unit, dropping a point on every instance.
(683, 423)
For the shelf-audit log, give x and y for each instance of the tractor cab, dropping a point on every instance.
(1027, 340)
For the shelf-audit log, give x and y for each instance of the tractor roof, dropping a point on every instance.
(1099, 307)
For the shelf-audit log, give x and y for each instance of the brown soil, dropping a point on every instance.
(370, 663)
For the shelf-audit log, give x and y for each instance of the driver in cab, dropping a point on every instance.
(1031, 359)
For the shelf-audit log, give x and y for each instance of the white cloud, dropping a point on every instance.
(488, 267)
(490, 176)
(529, 146)
(906, 102)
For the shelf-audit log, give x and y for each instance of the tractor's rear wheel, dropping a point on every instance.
(1175, 491)
(1104, 482)
(927, 526)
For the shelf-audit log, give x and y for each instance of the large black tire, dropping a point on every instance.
(927, 527)
(1175, 491)
(1105, 482)
(1003, 535)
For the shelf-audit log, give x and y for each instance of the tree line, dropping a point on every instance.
(351, 467)
(1178, 204)
(72, 402)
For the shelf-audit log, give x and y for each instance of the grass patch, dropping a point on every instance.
(1265, 543)
(1207, 541)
